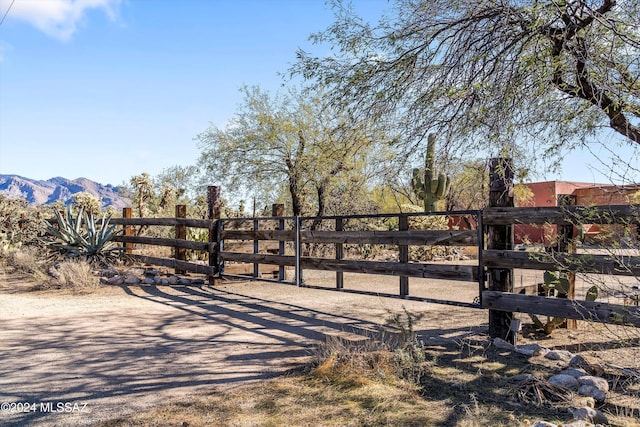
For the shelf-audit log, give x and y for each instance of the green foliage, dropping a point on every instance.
(20, 224)
(88, 202)
(293, 144)
(429, 186)
(492, 73)
(81, 236)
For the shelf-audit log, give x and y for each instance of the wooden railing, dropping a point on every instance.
(291, 241)
(564, 256)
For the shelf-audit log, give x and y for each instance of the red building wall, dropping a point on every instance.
(547, 194)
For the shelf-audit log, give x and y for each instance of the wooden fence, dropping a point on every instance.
(293, 243)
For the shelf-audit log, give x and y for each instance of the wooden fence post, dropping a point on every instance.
(500, 237)
(403, 254)
(181, 233)
(128, 247)
(213, 214)
(566, 244)
(277, 210)
(339, 254)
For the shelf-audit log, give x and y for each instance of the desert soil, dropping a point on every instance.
(78, 359)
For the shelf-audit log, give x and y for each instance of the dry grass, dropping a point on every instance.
(361, 384)
(71, 275)
(77, 276)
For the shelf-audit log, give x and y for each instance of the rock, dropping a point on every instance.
(196, 282)
(131, 280)
(135, 272)
(578, 423)
(157, 280)
(184, 281)
(559, 355)
(597, 382)
(531, 349)
(566, 381)
(152, 273)
(544, 424)
(116, 280)
(148, 281)
(575, 372)
(593, 392)
(590, 364)
(109, 272)
(588, 414)
(173, 280)
(500, 343)
(164, 281)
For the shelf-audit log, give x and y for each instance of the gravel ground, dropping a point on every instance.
(78, 359)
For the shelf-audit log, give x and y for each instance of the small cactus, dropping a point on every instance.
(429, 186)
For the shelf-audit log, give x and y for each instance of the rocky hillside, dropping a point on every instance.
(46, 192)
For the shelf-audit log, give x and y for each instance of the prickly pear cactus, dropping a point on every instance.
(428, 185)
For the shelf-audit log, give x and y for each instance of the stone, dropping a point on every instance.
(184, 281)
(593, 392)
(590, 364)
(578, 423)
(135, 272)
(158, 280)
(563, 355)
(152, 273)
(502, 344)
(544, 424)
(109, 272)
(116, 280)
(164, 281)
(575, 372)
(588, 414)
(531, 349)
(173, 280)
(597, 382)
(148, 281)
(196, 282)
(566, 381)
(131, 280)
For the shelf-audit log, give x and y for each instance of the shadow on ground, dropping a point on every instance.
(169, 341)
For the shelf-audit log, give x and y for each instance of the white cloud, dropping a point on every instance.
(57, 18)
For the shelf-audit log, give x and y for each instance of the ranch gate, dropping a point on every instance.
(473, 250)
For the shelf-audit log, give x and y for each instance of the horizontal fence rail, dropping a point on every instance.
(293, 236)
(279, 244)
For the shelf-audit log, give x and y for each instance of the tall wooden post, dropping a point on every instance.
(277, 210)
(339, 254)
(181, 233)
(567, 244)
(213, 214)
(500, 237)
(128, 247)
(403, 254)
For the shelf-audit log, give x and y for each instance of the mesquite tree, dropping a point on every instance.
(509, 72)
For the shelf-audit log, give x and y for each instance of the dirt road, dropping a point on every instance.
(77, 359)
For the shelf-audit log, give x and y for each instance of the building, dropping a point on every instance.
(558, 193)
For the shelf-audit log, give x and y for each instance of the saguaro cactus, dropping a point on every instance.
(429, 185)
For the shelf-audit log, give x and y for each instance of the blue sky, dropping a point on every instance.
(108, 89)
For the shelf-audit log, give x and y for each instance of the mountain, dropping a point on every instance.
(38, 192)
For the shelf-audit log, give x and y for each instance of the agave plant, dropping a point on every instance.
(81, 236)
